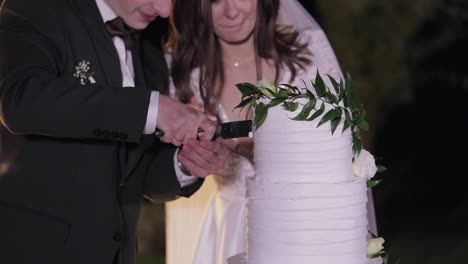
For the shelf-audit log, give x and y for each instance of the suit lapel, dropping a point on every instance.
(103, 45)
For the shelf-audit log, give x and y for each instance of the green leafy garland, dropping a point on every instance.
(342, 101)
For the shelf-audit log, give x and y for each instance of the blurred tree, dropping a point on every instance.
(369, 37)
(420, 138)
(423, 203)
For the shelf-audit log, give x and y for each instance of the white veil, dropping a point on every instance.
(293, 13)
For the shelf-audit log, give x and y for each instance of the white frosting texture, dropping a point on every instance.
(304, 205)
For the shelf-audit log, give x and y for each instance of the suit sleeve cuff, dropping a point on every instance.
(151, 117)
(184, 180)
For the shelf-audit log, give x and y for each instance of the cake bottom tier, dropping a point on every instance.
(304, 223)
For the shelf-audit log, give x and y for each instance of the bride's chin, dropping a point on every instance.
(237, 40)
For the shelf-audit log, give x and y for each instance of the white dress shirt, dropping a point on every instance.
(128, 80)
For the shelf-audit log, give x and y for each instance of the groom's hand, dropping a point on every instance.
(203, 157)
(181, 122)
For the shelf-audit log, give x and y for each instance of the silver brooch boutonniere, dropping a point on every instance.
(84, 73)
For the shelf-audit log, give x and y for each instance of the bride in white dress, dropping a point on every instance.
(238, 46)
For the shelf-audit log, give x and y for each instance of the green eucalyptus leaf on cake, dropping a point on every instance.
(342, 100)
(327, 117)
(308, 107)
(348, 121)
(381, 168)
(276, 101)
(267, 88)
(334, 124)
(335, 85)
(317, 113)
(336, 120)
(357, 145)
(342, 90)
(349, 92)
(310, 95)
(373, 183)
(282, 93)
(300, 96)
(260, 114)
(332, 99)
(312, 103)
(346, 125)
(246, 102)
(319, 85)
(247, 89)
(364, 125)
(290, 106)
(291, 89)
(267, 92)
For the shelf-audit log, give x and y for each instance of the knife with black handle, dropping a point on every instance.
(235, 129)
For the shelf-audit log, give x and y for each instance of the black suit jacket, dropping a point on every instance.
(75, 163)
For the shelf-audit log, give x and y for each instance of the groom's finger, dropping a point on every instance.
(200, 161)
(215, 146)
(192, 167)
(196, 147)
(203, 158)
(208, 127)
(221, 152)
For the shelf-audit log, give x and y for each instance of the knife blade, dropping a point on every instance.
(234, 129)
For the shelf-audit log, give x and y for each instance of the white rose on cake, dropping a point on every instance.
(364, 165)
(374, 246)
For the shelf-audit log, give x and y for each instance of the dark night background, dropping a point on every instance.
(408, 63)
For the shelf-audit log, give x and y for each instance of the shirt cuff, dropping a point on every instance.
(184, 180)
(151, 117)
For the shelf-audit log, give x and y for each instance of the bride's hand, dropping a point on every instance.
(203, 157)
(240, 146)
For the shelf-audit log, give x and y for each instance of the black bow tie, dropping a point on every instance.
(118, 28)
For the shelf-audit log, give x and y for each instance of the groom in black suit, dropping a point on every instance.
(81, 96)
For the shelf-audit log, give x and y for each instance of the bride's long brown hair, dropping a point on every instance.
(195, 45)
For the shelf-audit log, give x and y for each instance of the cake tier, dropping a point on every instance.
(304, 206)
(242, 259)
(327, 226)
(299, 151)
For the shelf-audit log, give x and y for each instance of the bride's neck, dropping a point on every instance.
(241, 54)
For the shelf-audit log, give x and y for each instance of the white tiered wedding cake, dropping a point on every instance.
(304, 205)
